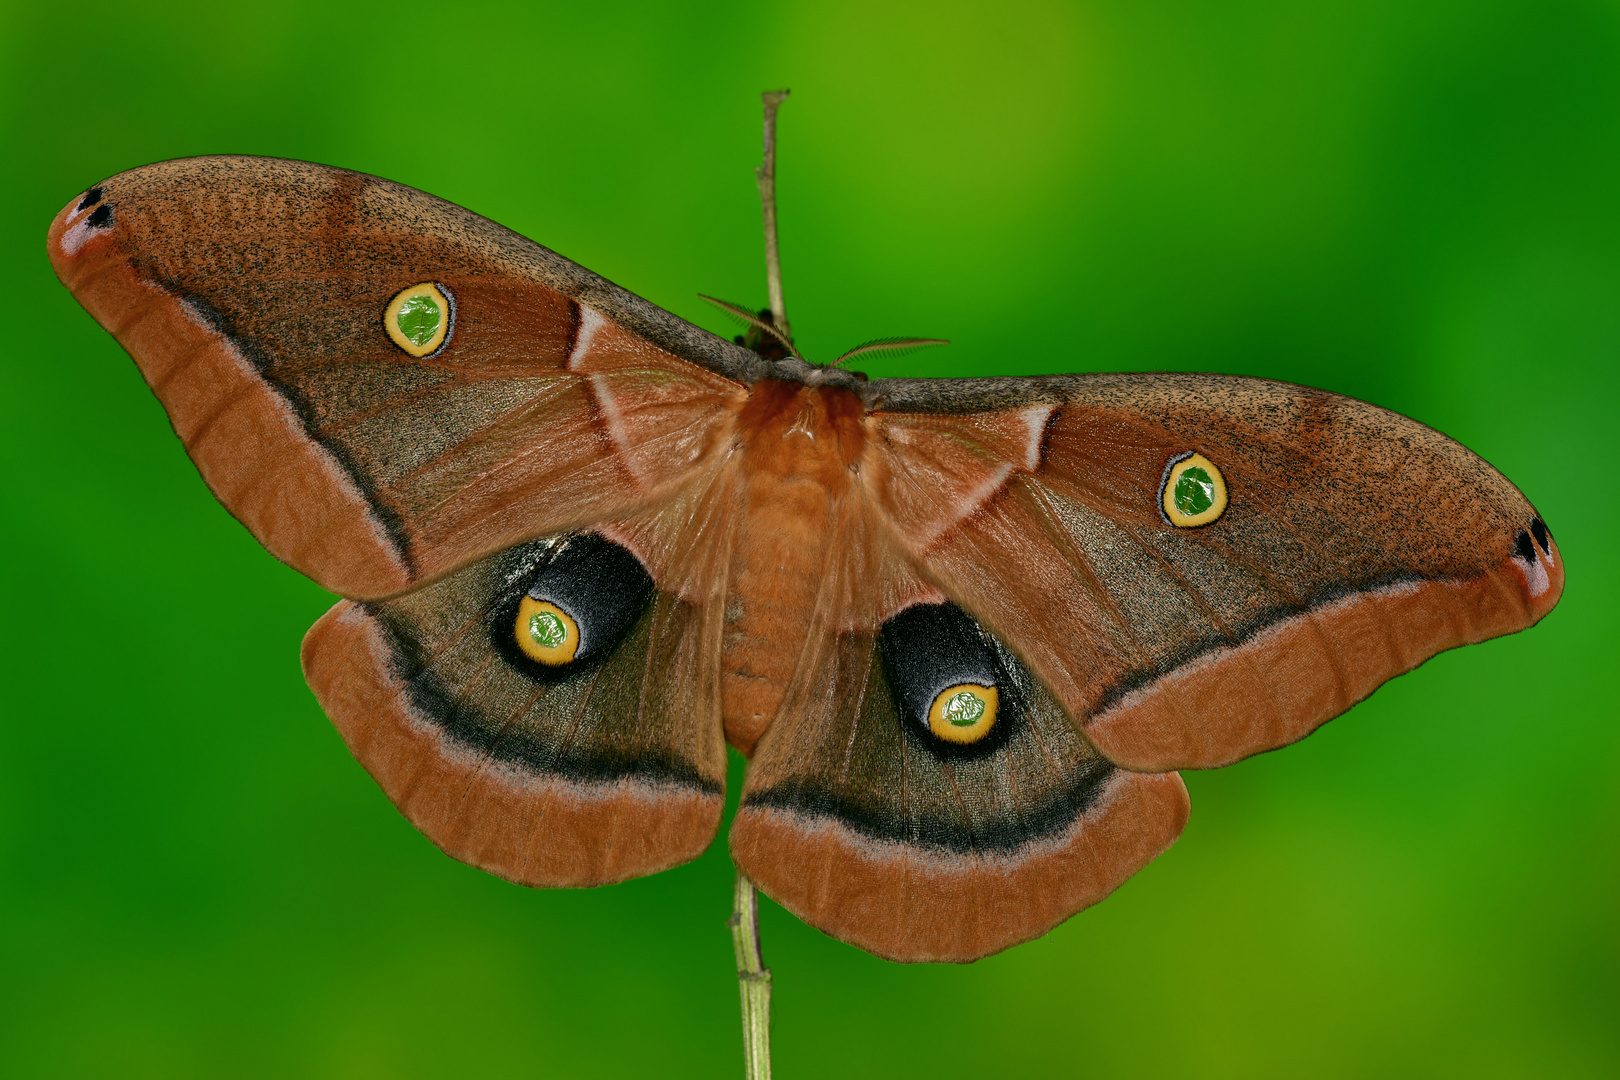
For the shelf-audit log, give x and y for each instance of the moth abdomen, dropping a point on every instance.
(575, 608)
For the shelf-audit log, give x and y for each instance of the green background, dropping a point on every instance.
(1411, 203)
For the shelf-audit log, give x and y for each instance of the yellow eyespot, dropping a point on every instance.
(964, 713)
(545, 632)
(418, 318)
(1194, 492)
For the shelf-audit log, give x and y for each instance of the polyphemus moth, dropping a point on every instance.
(965, 630)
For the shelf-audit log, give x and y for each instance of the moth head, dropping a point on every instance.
(776, 342)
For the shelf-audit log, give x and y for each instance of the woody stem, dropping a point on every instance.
(766, 176)
(753, 979)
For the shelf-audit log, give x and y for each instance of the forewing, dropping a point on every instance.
(252, 293)
(868, 829)
(1355, 545)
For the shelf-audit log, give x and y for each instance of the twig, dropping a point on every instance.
(766, 176)
(753, 979)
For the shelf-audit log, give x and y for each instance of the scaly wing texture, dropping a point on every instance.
(860, 826)
(573, 778)
(1356, 545)
(251, 293)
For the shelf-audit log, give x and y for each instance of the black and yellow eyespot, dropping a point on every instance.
(571, 608)
(1194, 491)
(946, 682)
(963, 713)
(546, 633)
(418, 318)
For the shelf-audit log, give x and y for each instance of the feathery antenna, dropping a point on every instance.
(892, 345)
(742, 314)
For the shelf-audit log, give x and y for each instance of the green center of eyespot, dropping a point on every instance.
(963, 709)
(418, 319)
(1195, 492)
(547, 630)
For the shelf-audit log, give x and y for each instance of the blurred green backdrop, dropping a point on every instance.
(1412, 203)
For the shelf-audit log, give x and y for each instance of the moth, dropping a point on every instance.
(966, 631)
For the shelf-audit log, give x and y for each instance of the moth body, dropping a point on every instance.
(797, 449)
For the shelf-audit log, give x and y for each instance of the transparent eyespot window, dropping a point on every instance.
(1194, 492)
(418, 319)
(964, 713)
(546, 633)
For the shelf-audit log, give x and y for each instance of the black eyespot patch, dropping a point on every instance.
(100, 217)
(1524, 549)
(587, 596)
(1539, 529)
(91, 197)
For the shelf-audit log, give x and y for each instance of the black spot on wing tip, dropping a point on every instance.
(1523, 548)
(100, 217)
(91, 197)
(1538, 528)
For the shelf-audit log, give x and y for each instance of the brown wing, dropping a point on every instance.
(252, 293)
(1355, 545)
(866, 827)
(605, 767)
